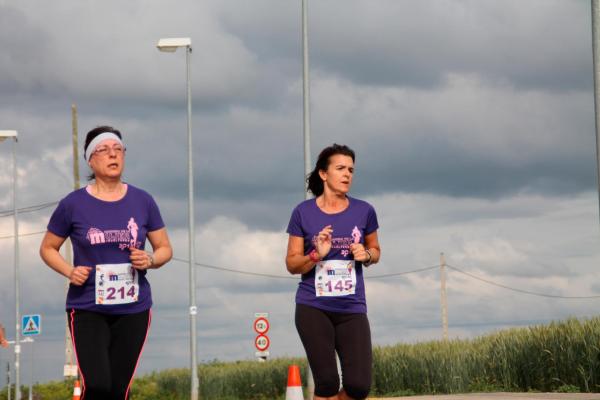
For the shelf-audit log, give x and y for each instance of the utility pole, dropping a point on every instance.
(444, 300)
(70, 369)
(76, 184)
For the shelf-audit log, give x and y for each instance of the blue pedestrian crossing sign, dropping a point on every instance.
(31, 325)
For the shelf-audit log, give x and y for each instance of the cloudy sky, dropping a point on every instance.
(472, 122)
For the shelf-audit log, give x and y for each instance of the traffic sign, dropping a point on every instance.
(261, 325)
(262, 342)
(262, 355)
(31, 325)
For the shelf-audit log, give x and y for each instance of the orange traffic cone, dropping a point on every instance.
(294, 386)
(76, 391)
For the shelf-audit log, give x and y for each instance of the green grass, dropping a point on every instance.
(541, 358)
(219, 380)
(561, 356)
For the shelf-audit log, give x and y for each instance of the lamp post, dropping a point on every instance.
(8, 135)
(306, 129)
(306, 96)
(596, 64)
(171, 45)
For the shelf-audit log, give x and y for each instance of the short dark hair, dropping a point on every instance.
(92, 134)
(314, 181)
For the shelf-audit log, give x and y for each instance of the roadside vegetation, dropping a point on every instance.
(558, 357)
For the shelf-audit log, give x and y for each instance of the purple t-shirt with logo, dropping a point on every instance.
(349, 226)
(101, 233)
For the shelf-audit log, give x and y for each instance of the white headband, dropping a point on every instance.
(96, 141)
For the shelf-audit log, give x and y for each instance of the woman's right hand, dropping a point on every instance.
(79, 275)
(323, 244)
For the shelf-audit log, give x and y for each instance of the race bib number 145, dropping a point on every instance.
(335, 278)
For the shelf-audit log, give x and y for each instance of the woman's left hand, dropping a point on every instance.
(140, 259)
(359, 252)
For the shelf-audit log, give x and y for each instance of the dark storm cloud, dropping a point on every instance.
(416, 43)
(499, 40)
(484, 135)
(455, 173)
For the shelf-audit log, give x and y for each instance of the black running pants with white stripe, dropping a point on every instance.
(108, 348)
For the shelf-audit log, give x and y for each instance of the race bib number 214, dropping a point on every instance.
(116, 284)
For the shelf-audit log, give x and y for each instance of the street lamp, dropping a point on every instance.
(13, 135)
(171, 45)
(596, 65)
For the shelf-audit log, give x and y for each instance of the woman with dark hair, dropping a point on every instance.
(331, 237)
(109, 298)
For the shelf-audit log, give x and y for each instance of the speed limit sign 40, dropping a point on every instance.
(261, 325)
(262, 342)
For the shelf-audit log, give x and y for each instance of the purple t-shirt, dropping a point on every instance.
(353, 224)
(101, 233)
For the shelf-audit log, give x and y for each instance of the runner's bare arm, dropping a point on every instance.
(372, 245)
(295, 260)
(50, 253)
(161, 248)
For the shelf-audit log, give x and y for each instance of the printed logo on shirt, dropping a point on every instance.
(125, 237)
(356, 235)
(343, 242)
(95, 236)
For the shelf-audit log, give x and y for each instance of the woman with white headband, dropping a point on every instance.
(109, 298)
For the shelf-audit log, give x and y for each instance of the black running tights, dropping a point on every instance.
(108, 348)
(322, 334)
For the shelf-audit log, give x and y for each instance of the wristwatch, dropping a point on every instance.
(368, 262)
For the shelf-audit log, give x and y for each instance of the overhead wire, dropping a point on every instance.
(401, 273)
(22, 234)
(239, 271)
(489, 282)
(28, 209)
(42, 206)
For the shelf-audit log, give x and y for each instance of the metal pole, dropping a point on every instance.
(306, 124)
(443, 297)
(195, 383)
(31, 380)
(596, 63)
(306, 94)
(17, 313)
(8, 380)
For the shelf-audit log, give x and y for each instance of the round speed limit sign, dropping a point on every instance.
(261, 325)
(262, 342)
